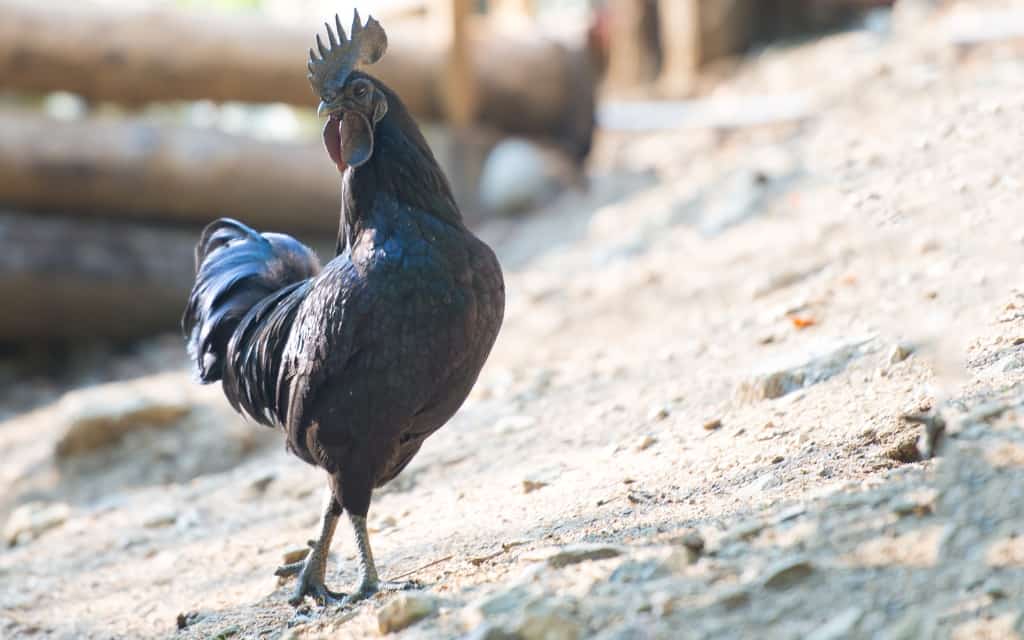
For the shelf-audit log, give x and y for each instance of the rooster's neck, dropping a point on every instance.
(403, 169)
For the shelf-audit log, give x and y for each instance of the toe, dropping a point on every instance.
(288, 570)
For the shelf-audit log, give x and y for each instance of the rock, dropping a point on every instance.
(546, 620)
(900, 352)
(800, 370)
(692, 540)
(189, 618)
(745, 530)
(839, 627)
(558, 557)
(160, 518)
(404, 610)
(733, 597)
(786, 573)
(529, 485)
(259, 483)
(518, 176)
(658, 413)
(98, 416)
(713, 424)
(645, 442)
(31, 520)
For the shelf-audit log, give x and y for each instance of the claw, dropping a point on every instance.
(369, 590)
(320, 594)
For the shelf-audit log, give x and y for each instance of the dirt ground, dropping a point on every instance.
(692, 424)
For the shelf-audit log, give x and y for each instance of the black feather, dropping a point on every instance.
(237, 269)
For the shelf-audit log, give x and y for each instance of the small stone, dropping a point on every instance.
(900, 352)
(259, 483)
(778, 459)
(33, 519)
(558, 557)
(732, 598)
(159, 519)
(744, 530)
(801, 369)
(189, 618)
(529, 486)
(692, 540)
(645, 442)
(839, 627)
(786, 573)
(656, 414)
(713, 424)
(405, 610)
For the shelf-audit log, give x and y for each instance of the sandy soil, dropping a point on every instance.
(692, 424)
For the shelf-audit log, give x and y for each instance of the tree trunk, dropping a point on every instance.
(131, 169)
(71, 278)
(153, 54)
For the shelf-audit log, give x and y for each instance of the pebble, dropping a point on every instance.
(645, 442)
(713, 424)
(900, 352)
(405, 610)
(692, 540)
(558, 557)
(160, 519)
(787, 573)
(658, 413)
(529, 486)
(32, 519)
(796, 371)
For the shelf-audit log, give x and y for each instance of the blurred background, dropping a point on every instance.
(126, 125)
(741, 239)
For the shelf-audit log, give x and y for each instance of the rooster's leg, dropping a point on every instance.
(369, 582)
(312, 570)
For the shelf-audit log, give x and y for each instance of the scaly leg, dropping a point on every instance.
(312, 570)
(369, 582)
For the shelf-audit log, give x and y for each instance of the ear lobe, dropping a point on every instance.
(380, 110)
(356, 139)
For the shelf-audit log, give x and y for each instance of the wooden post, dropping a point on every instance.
(633, 58)
(460, 96)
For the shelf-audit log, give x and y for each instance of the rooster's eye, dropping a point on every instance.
(359, 90)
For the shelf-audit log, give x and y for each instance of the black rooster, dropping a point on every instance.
(358, 362)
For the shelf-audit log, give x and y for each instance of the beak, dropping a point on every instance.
(322, 109)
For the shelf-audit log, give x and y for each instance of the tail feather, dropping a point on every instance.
(247, 289)
(255, 352)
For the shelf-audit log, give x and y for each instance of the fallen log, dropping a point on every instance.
(528, 85)
(133, 169)
(70, 278)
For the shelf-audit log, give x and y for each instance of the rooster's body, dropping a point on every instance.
(360, 361)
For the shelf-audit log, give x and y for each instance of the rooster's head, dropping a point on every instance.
(351, 100)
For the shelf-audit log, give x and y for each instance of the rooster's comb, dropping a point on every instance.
(365, 44)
